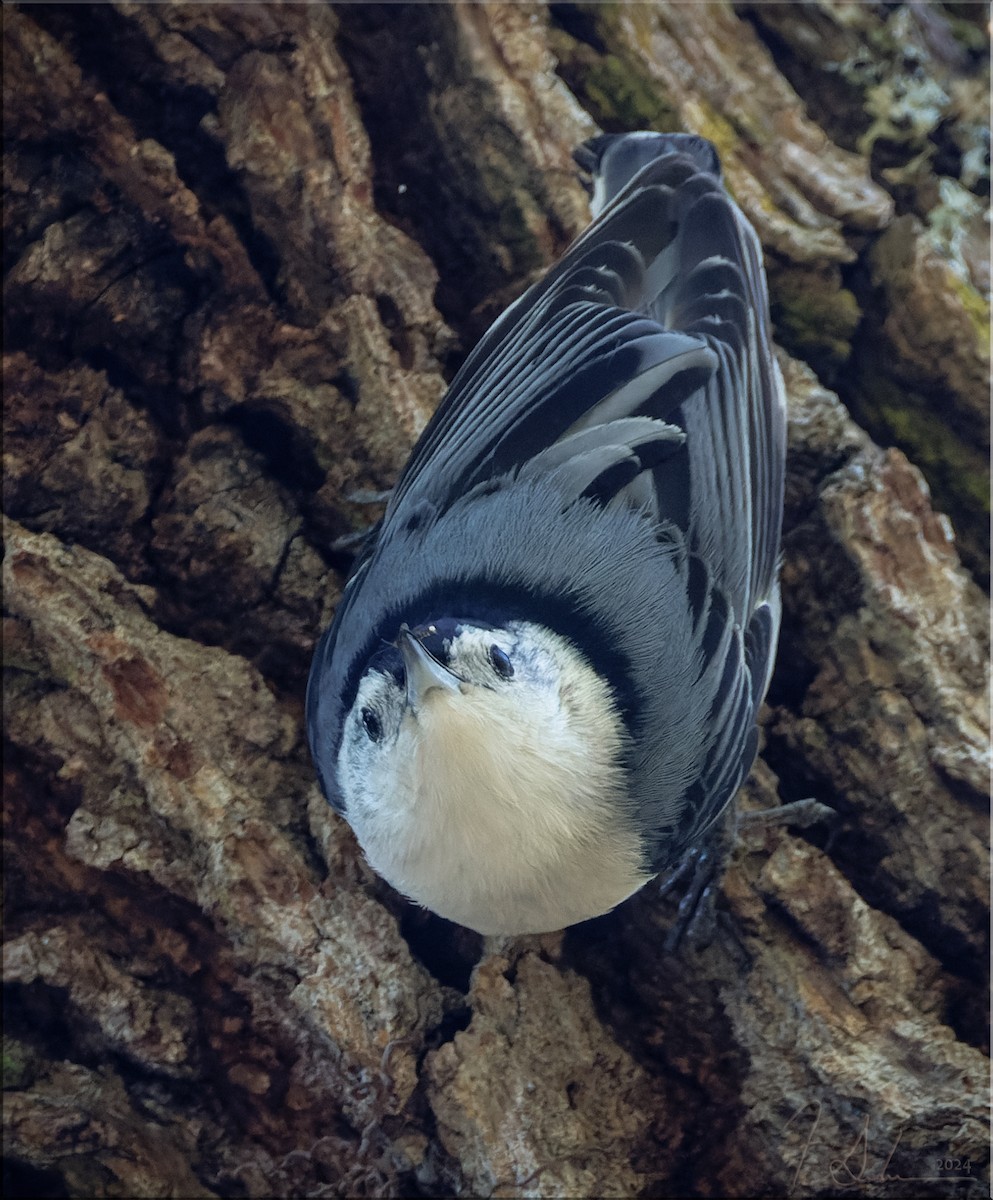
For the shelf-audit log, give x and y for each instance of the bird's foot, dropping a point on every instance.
(702, 867)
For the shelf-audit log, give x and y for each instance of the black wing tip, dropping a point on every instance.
(644, 147)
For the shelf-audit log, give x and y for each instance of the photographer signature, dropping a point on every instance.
(852, 1168)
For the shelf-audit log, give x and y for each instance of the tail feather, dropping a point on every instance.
(614, 159)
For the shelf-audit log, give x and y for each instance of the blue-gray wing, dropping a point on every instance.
(579, 348)
(724, 492)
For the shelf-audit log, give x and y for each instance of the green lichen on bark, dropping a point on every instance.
(593, 61)
(20, 1064)
(814, 317)
(924, 427)
(975, 307)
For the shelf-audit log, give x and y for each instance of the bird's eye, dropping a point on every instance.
(372, 723)
(500, 661)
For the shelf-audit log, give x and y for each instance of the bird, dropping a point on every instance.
(540, 687)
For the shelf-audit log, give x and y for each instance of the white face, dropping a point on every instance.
(384, 731)
(487, 658)
(494, 792)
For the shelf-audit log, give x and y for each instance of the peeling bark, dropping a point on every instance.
(245, 246)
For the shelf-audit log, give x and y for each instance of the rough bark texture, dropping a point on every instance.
(244, 248)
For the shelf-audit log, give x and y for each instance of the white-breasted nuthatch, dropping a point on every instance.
(540, 686)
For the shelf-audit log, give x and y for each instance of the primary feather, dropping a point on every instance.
(607, 466)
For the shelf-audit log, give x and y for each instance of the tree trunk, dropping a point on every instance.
(245, 248)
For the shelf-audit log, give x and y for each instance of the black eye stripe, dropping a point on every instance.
(372, 723)
(500, 661)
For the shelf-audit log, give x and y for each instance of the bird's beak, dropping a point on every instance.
(423, 671)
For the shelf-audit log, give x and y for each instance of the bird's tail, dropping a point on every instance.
(614, 159)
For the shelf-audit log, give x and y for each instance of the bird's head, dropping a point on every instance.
(483, 772)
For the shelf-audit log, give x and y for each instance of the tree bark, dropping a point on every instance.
(245, 248)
